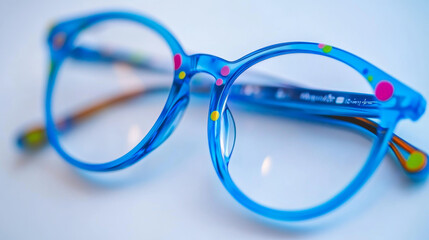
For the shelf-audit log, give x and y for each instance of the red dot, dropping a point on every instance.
(219, 82)
(177, 61)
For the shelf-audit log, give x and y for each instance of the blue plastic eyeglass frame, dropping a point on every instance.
(395, 101)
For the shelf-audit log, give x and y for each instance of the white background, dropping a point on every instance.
(176, 193)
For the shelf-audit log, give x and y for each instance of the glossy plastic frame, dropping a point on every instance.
(393, 101)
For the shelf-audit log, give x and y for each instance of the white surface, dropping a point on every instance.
(175, 193)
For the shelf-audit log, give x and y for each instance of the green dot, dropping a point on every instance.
(416, 161)
(327, 48)
(370, 78)
(34, 138)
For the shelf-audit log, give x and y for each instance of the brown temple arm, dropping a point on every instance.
(414, 160)
(35, 137)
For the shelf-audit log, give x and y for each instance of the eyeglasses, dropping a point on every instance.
(84, 60)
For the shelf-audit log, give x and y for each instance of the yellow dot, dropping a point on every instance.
(182, 75)
(416, 161)
(214, 116)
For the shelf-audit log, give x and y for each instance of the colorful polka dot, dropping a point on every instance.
(416, 161)
(224, 71)
(326, 49)
(177, 61)
(219, 82)
(384, 90)
(365, 71)
(59, 40)
(182, 75)
(321, 45)
(370, 78)
(34, 137)
(214, 115)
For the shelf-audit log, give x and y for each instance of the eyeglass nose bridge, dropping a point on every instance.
(217, 67)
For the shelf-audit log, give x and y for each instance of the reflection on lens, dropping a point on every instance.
(290, 159)
(110, 90)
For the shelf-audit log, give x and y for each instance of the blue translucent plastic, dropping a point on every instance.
(389, 108)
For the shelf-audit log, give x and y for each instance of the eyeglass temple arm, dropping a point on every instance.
(110, 55)
(35, 137)
(299, 99)
(288, 95)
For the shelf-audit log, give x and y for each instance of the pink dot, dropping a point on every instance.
(219, 82)
(384, 90)
(177, 61)
(224, 71)
(321, 45)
